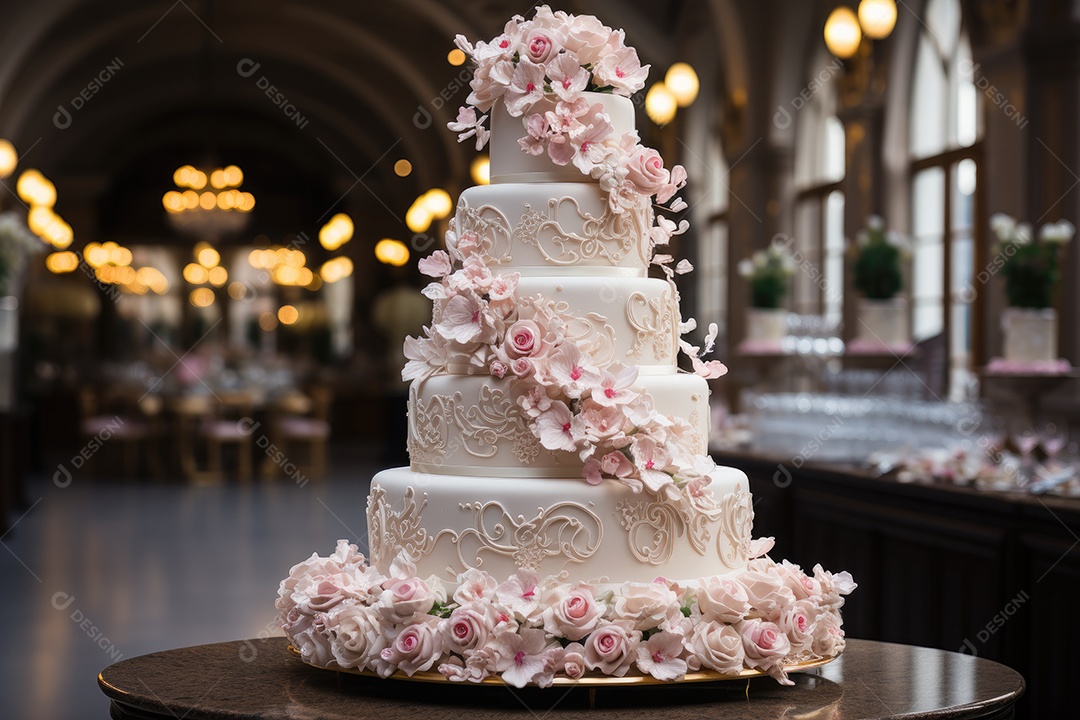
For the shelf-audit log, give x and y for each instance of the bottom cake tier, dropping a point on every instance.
(605, 533)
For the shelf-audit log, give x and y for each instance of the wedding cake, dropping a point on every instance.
(560, 517)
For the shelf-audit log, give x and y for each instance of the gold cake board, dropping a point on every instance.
(433, 676)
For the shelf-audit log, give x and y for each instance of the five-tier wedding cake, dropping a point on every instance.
(561, 516)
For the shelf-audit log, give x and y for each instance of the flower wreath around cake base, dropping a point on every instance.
(341, 613)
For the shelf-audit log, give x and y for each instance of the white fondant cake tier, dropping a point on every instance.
(510, 164)
(632, 321)
(603, 533)
(554, 228)
(472, 425)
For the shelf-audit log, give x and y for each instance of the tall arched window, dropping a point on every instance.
(712, 257)
(820, 160)
(943, 145)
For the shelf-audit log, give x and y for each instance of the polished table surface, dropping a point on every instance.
(261, 679)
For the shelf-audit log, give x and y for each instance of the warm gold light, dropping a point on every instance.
(268, 321)
(35, 189)
(336, 232)
(237, 290)
(152, 278)
(9, 159)
(202, 297)
(196, 274)
(218, 276)
(660, 104)
(58, 233)
(877, 18)
(438, 202)
(234, 177)
(455, 57)
(402, 168)
(336, 269)
(246, 202)
(206, 255)
(418, 218)
(39, 218)
(62, 262)
(173, 201)
(288, 314)
(481, 170)
(391, 252)
(842, 32)
(682, 81)
(95, 255)
(118, 255)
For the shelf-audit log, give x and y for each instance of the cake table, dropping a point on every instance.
(261, 679)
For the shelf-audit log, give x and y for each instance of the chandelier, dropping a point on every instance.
(208, 205)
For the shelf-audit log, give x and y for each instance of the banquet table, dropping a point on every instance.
(262, 679)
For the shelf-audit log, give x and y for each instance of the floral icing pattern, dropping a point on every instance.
(340, 612)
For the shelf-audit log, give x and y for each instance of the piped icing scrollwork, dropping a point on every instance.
(611, 237)
(736, 528)
(495, 418)
(567, 531)
(653, 320)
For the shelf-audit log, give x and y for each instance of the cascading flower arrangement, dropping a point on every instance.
(769, 272)
(877, 257)
(339, 612)
(1031, 267)
(541, 70)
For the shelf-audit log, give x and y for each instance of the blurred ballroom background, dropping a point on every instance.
(209, 226)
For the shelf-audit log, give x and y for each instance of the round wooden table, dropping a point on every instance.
(261, 679)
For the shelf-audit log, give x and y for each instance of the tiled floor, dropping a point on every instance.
(98, 571)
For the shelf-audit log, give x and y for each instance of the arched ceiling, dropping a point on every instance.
(166, 82)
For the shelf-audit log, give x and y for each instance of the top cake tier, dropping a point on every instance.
(510, 164)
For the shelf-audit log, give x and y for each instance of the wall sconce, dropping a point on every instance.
(844, 30)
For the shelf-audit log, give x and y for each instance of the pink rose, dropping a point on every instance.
(764, 643)
(611, 649)
(798, 622)
(571, 612)
(833, 587)
(522, 367)
(645, 605)
(468, 627)
(802, 585)
(573, 660)
(403, 598)
(523, 339)
(540, 46)
(415, 648)
(645, 169)
(717, 646)
(722, 599)
(498, 368)
(503, 286)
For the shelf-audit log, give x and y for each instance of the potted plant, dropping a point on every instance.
(883, 313)
(769, 272)
(1030, 264)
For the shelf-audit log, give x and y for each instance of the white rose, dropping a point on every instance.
(358, 633)
(723, 599)
(314, 642)
(571, 611)
(767, 593)
(717, 646)
(828, 635)
(573, 660)
(403, 598)
(645, 605)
